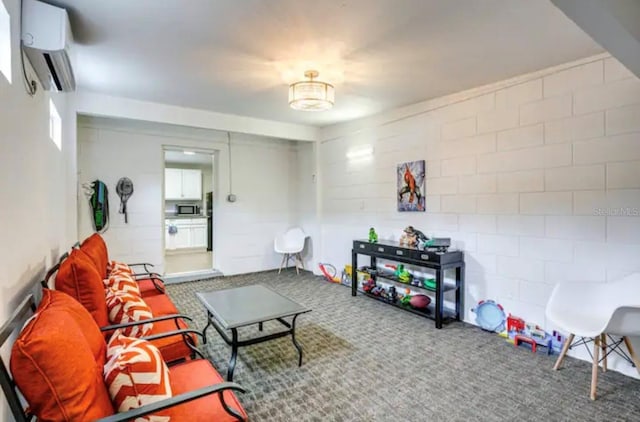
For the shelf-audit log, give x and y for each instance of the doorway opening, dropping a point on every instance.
(188, 210)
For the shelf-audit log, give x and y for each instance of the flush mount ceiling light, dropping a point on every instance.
(311, 95)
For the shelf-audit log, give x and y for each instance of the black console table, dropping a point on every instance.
(438, 261)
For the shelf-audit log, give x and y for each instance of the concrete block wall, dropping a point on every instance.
(538, 182)
(265, 181)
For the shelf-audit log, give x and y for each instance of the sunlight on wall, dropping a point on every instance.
(55, 125)
(5, 42)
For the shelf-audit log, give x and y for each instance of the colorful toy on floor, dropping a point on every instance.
(520, 332)
(490, 316)
(329, 272)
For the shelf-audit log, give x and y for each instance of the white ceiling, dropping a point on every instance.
(237, 57)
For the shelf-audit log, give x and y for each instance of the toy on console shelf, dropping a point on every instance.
(420, 301)
(373, 236)
(368, 285)
(391, 294)
(429, 283)
(378, 291)
(411, 237)
(402, 274)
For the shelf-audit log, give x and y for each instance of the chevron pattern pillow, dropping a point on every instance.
(123, 307)
(122, 281)
(118, 267)
(135, 375)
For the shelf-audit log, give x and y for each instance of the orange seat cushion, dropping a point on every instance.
(147, 287)
(196, 374)
(172, 348)
(79, 278)
(161, 305)
(96, 249)
(57, 362)
(135, 374)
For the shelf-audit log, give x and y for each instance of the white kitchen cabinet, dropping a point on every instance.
(191, 233)
(182, 184)
(199, 234)
(172, 183)
(192, 184)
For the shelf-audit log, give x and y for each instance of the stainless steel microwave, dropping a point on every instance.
(187, 209)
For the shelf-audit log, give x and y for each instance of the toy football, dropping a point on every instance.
(419, 301)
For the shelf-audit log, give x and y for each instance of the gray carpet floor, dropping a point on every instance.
(367, 361)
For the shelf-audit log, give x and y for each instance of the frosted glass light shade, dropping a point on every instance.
(311, 95)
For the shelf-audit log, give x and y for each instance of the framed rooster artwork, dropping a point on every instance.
(411, 186)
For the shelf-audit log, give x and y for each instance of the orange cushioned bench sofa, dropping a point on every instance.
(57, 364)
(80, 274)
(59, 356)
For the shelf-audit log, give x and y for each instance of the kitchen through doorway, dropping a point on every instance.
(188, 210)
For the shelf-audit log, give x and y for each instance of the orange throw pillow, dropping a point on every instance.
(79, 278)
(118, 267)
(136, 375)
(96, 249)
(57, 362)
(125, 307)
(123, 282)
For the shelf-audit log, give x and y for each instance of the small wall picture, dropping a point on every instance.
(411, 186)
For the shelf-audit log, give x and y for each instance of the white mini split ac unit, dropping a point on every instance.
(47, 38)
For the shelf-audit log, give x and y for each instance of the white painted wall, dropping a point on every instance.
(517, 174)
(125, 108)
(243, 231)
(36, 184)
(305, 205)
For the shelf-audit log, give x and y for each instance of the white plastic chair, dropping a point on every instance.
(594, 311)
(290, 245)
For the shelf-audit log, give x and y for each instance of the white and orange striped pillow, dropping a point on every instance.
(124, 307)
(136, 375)
(118, 267)
(122, 281)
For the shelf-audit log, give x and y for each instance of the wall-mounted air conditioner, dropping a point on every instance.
(47, 38)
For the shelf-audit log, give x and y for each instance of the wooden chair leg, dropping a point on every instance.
(634, 358)
(603, 346)
(296, 260)
(301, 261)
(594, 368)
(284, 257)
(566, 346)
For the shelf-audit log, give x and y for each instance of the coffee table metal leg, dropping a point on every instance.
(234, 354)
(293, 338)
(260, 326)
(204, 331)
